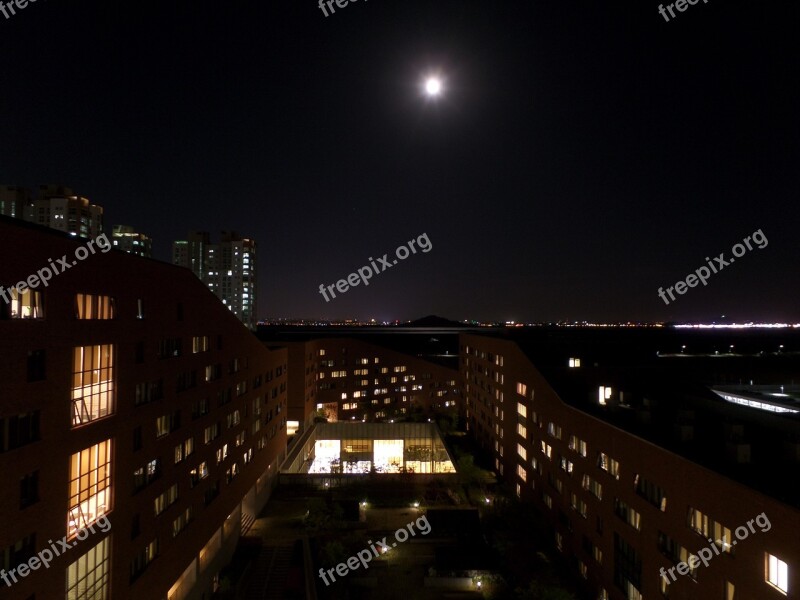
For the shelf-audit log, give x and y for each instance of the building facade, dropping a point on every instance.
(130, 397)
(59, 208)
(14, 200)
(634, 518)
(123, 237)
(360, 381)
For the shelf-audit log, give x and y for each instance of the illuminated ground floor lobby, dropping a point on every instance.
(363, 448)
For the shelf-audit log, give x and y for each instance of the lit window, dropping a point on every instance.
(577, 445)
(522, 452)
(181, 522)
(522, 389)
(595, 488)
(722, 537)
(522, 410)
(627, 514)
(90, 306)
(166, 499)
(522, 473)
(88, 577)
(199, 344)
(687, 557)
(89, 486)
(92, 383)
(603, 394)
(778, 573)
(522, 430)
(574, 363)
(730, 591)
(24, 305)
(698, 521)
(609, 465)
(547, 450)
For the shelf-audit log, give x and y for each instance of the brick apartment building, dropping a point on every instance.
(128, 391)
(574, 440)
(351, 379)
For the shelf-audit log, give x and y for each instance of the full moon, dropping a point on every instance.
(433, 86)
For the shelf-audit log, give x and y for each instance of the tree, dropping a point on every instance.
(333, 553)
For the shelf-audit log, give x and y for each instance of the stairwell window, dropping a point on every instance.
(92, 383)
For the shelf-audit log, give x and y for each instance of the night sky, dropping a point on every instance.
(582, 154)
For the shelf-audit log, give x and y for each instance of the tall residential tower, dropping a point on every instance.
(228, 268)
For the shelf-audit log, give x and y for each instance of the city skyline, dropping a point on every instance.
(573, 161)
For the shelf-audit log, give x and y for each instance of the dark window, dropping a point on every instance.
(650, 492)
(200, 407)
(211, 493)
(29, 490)
(564, 521)
(586, 545)
(180, 311)
(170, 348)
(186, 381)
(627, 564)
(137, 438)
(139, 353)
(669, 547)
(224, 396)
(149, 391)
(19, 430)
(136, 527)
(36, 365)
(18, 553)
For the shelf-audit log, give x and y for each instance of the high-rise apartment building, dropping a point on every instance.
(191, 252)
(228, 268)
(140, 422)
(123, 237)
(14, 200)
(60, 208)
